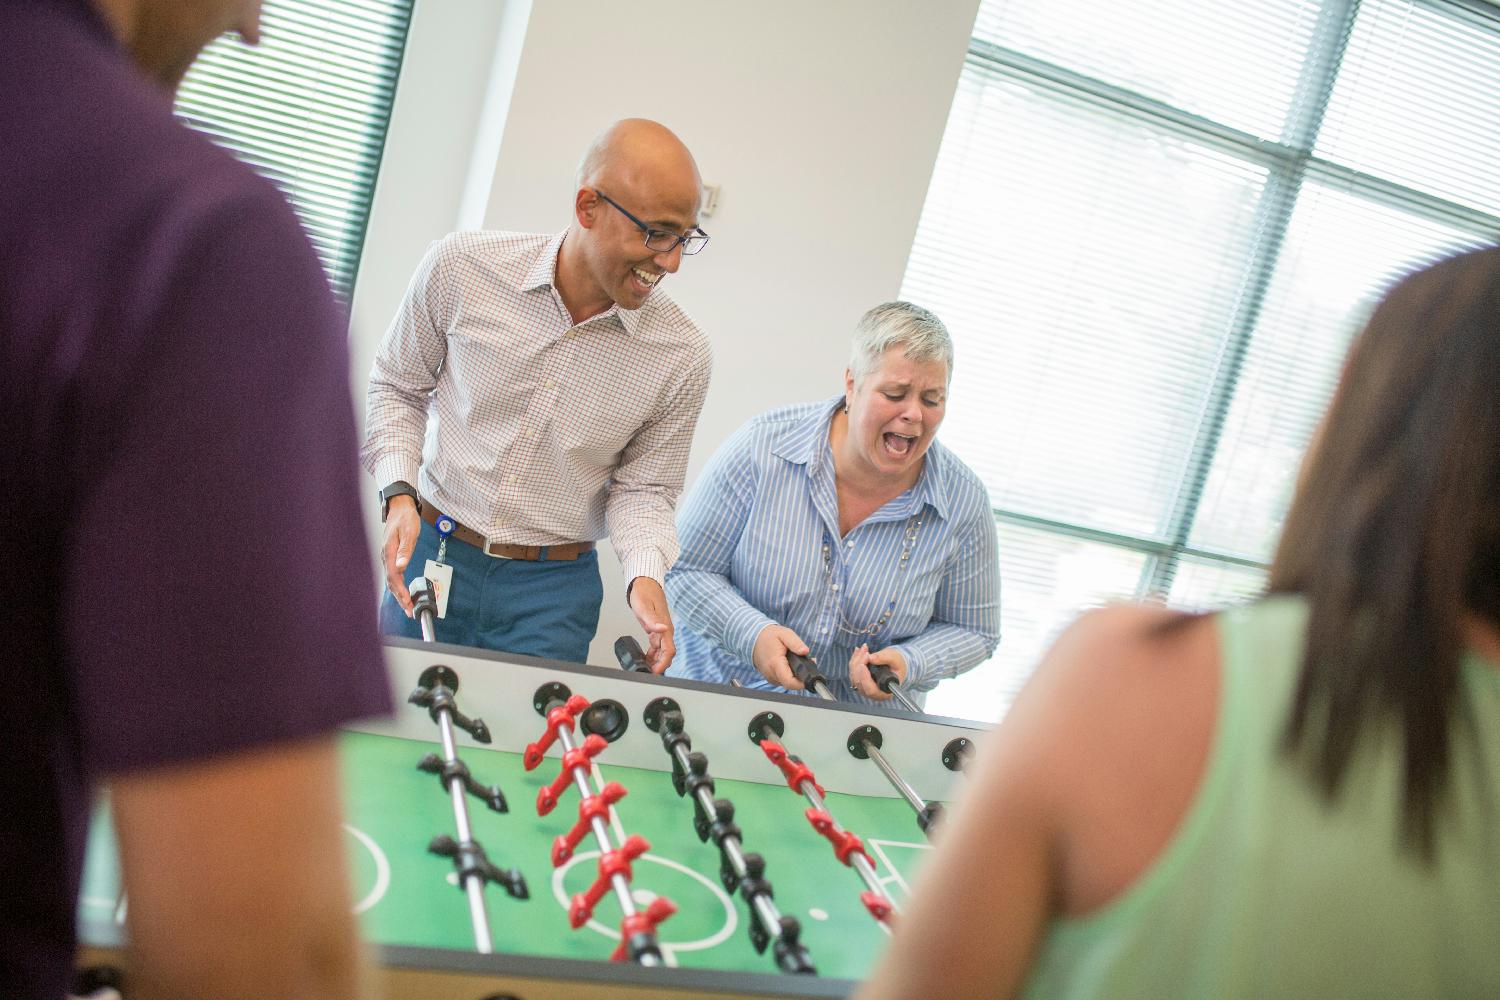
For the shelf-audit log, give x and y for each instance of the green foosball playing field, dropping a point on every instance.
(409, 898)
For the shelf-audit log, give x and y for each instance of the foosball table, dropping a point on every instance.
(532, 829)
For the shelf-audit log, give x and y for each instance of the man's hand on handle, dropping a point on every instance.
(649, 602)
(402, 525)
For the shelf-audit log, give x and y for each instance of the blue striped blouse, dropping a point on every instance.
(760, 546)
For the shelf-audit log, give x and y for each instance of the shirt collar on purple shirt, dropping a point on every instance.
(806, 443)
(543, 274)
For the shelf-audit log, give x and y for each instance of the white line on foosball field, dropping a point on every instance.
(382, 870)
(669, 948)
(878, 846)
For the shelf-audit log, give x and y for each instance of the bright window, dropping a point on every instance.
(308, 108)
(1152, 229)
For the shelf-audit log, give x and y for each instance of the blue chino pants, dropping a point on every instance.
(547, 608)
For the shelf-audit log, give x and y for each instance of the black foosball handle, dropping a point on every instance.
(885, 678)
(631, 656)
(424, 606)
(806, 672)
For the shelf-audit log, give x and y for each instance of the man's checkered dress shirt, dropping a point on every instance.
(526, 427)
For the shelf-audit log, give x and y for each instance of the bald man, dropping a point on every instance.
(536, 392)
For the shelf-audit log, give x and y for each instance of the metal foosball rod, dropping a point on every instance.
(858, 860)
(555, 703)
(601, 832)
(473, 884)
(715, 820)
(435, 692)
(865, 741)
(885, 679)
(847, 847)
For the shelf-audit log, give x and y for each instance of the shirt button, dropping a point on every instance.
(824, 629)
(513, 480)
(835, 586)
(548, 384)
(850, 543)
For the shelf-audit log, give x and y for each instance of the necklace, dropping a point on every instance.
(874, 628)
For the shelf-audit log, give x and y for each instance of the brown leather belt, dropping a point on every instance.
(530, 553)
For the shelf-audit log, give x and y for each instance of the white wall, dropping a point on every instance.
(435, 126)
(820, 122)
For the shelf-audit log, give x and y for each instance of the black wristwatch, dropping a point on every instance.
(400, 488)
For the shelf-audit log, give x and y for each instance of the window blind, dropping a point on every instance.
(1152, 229)
(308, 108)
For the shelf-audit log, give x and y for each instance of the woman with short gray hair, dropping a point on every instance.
(842, 530)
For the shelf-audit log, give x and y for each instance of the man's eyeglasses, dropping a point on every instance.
(662, 240)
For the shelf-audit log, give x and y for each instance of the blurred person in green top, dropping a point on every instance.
(1298, 798)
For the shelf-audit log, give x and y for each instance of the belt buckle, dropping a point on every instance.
(493, 555)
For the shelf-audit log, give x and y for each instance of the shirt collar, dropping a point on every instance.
(806, 443)
(543, 274)
(544, 269)
(802, 442)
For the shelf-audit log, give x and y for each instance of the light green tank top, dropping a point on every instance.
(1265, 891)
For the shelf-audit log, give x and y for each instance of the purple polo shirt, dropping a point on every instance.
(185, 573)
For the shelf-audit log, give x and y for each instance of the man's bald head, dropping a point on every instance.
(636, 179)
(637, 155)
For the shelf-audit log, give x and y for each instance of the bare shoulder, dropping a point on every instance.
(1117, 678)
(1121, 670)
(1124, 714)
(1110, 674)
(1125, 648)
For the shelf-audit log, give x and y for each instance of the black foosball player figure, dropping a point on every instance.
(713, 819)
(436, 691)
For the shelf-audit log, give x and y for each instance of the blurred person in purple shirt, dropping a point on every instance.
(188, 603)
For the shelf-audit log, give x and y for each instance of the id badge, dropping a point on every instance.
(441, 575)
